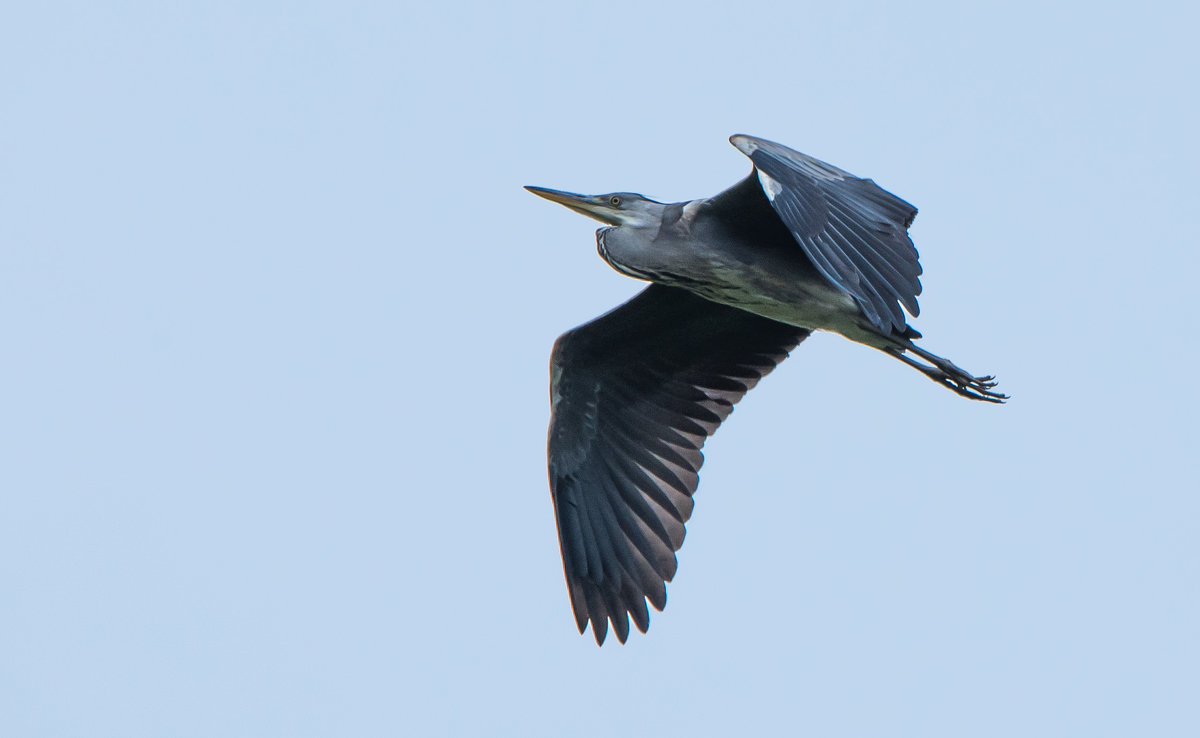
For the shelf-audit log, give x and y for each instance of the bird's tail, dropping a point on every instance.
(942, 371)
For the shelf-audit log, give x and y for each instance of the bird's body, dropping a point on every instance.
(739, 279)
(758, 267)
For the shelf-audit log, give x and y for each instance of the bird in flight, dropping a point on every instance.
(738, 280)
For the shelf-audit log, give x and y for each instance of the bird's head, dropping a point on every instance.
(614, 209)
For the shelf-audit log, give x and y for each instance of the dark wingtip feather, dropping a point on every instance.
(596, 612)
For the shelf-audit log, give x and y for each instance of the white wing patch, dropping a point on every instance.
(745, 144)
(770, 186)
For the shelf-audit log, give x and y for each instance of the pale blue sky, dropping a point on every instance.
(276, 316)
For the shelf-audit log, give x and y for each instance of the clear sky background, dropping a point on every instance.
(276, 315)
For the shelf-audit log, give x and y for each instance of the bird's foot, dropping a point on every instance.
(947, 373)
(976, 388)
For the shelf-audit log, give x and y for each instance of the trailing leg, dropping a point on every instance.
(945, 372)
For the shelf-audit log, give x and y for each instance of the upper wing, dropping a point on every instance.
(853, 230)
(634, 394)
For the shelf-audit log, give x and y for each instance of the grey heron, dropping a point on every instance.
(738, 280)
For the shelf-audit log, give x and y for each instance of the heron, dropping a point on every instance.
(737, 281)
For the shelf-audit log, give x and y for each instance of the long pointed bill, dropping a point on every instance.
(591, 206)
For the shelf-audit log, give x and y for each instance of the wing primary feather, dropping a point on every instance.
(672, 520)
(656, 414)
(640, 614)
(882, 266)
(633, 529)
(595, 565)
(885, 305)
(574, 552)
(653, 427)
(578, 603)
(651, 460)
(596, 611)
(607, 538)
(617, 615)
(877, 246)
(634, 496)
(689, 408)
(622, 592)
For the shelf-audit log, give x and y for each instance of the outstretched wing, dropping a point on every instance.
(853, 230)
(634, 395)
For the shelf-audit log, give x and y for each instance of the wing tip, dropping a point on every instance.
(743, 143)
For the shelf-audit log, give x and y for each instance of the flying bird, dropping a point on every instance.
(738, 280)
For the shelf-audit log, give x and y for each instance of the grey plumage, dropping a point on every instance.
(740, 279)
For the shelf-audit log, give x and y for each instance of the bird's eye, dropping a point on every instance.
(614, 201)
